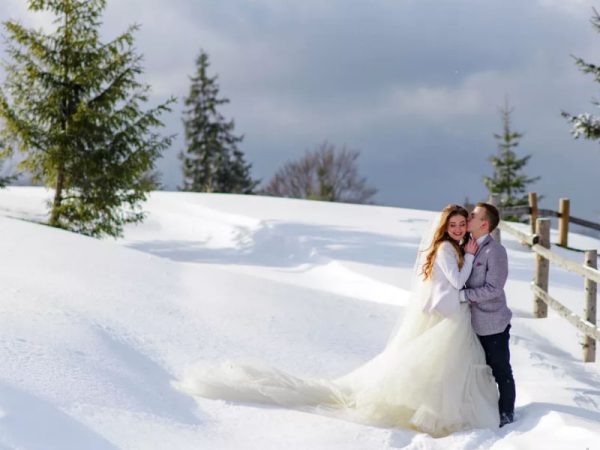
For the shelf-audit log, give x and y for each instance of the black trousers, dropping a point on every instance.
(497, 356)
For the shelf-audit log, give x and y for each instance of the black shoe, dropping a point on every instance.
(506, 418)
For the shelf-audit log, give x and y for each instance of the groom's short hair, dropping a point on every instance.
(491, 215)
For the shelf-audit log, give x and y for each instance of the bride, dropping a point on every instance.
(430, 377)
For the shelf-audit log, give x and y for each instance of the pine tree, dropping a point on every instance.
(5, 180)
(212, 161)
(587, 125)
(73, 105)
(508, 179)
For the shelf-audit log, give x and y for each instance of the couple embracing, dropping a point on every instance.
(464, 257)
(446, 366)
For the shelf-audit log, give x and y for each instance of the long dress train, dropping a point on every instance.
(433, 380)
(431, 377)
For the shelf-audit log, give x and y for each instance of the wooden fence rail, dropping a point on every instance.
(540, 245)
(563, 214)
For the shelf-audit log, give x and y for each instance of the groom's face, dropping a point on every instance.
(477, 222)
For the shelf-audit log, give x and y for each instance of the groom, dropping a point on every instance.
(490, 315)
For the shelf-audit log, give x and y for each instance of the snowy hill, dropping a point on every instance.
(92, 332)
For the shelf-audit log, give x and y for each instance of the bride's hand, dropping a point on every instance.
(471, 246)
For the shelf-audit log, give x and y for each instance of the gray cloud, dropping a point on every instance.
(414, 84)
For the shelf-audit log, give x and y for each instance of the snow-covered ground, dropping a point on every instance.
(92, 332)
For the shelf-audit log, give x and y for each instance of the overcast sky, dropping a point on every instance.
(415, 85)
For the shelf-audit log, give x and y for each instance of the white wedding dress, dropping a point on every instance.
(430, 377)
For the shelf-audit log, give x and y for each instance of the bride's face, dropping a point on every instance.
(457, 227)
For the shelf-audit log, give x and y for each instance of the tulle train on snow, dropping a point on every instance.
(431, 377)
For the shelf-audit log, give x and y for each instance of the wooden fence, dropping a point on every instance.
(563, 215)
(539, 242)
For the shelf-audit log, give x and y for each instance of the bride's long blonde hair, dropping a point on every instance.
(441, 235)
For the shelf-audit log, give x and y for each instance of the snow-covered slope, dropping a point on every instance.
(92, 332)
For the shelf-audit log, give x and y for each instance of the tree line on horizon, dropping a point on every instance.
(74, 108)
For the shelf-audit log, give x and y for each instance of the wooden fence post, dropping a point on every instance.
(563, 222)
(589, 312)
(534, 210)
(495, 200)
(542, 268)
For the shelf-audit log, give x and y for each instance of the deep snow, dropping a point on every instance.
(92, 332)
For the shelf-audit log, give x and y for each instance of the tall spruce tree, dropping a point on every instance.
(212, 161)
(73, 105)
(508, 179)
(4, 179)
(587, 125)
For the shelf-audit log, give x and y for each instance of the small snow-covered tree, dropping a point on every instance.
(587, 125)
